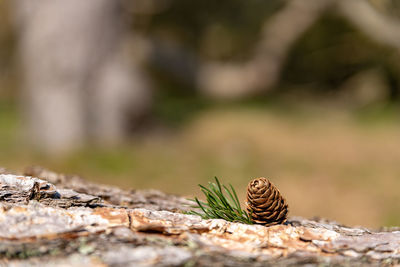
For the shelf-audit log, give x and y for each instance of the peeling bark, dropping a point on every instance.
(61, 220)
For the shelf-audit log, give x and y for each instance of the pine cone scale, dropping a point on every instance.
(271, 203)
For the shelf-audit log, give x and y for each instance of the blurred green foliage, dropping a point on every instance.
(332, 51)
(8, 68)
(216, 30)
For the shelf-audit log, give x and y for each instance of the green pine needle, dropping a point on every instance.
(219, 206)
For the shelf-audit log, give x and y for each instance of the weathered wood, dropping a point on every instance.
(149, 199)
(64, 220)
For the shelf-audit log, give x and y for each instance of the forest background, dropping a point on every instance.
(167, 94)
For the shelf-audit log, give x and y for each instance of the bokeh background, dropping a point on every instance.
(167, 94)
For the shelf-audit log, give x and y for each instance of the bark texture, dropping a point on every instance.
(57, 220)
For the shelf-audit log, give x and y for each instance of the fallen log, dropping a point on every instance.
(51, 219)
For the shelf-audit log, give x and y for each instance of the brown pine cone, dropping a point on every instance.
(265, 204)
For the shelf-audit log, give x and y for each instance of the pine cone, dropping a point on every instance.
(265, 203)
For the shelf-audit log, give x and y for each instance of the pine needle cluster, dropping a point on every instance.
(218, 205)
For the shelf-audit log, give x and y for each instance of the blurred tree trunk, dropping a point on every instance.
(261, 72)
(80, 81)
(379, 26)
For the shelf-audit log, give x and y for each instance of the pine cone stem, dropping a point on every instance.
(265, 204)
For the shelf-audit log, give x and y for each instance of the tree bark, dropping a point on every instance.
(65, 220)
